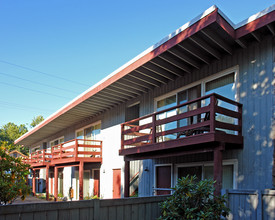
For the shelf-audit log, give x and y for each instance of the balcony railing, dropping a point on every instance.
(76, 150)
(39, 158)
(197, 119)
(71, 151)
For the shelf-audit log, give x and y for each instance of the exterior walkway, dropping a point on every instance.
(29, 199)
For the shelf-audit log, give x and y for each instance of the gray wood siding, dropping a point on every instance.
(256, 73)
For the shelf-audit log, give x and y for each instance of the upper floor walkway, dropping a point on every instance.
(194, 127)
(75, 150)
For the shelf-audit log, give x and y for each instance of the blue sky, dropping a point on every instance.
(53, 50)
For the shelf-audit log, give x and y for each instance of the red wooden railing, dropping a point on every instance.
(74, 149)
(38, 157)
(201, 115)
(77, 148)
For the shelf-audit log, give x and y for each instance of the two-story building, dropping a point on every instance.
(200, 101)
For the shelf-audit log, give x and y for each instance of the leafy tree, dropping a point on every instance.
(9, 133)
(13, 177)
(36, 120)
(194, 200)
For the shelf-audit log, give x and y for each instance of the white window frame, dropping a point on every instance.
(87, 126)
(155, 174)
(202, 82)
(56, 140)
(233, 162)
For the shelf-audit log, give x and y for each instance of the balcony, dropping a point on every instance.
(75, 150)
(39, 158)
(194, 127)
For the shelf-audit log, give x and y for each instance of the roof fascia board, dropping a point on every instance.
(255, 16)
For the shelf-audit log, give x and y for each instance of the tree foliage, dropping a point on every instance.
(194, 200)
(13, 177)
(9, 133)
(36, 120)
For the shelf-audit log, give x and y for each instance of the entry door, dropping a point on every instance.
(96, 183)
(163, 179)
(116, 183)
(86, 183)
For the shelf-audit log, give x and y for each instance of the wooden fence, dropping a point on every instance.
(244, 204)
(251, 204)
(145, 208)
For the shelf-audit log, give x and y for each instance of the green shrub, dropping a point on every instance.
(194, 199)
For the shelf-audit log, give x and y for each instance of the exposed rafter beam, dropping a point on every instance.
(110, 98)
(101, 104)
(168, 66)
(125, 85)
(256, 35)
(204, 45)
(121, 91)
(176, 62)
(217, 40)
(177, 52)
(115, 93)
(271, 28)
(137, 81)
(242, 43)
(151, 75)
(195, 52)
(160, 71)
(145, 79)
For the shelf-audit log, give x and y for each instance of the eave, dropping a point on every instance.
(208, 37)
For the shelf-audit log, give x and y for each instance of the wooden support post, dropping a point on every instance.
(154, 130)
(81, 171)
(218, 169)
(122, 136)
(55, 183)
(33, 182)
(47, 182)
(212, 113)
(126, 178)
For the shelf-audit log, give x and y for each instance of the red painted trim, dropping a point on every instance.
(204, 22)
(226, 26)
(254, 25)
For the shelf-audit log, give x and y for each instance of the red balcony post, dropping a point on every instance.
(76, 148)
(47, 182)
(218, 168)
(212, 113)
(126, 178)
(240, 120)
(154, 128)
(81, 166)
(55, 183)
(52, 153)
(33, 182)
(60, 156)
(43, 156)
(122, 136)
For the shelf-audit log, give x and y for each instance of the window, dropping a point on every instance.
(88, 133)
(205, 171)
(57, 141)
(223, 83)
(91, 132)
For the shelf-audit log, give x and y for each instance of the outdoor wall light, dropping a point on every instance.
(146, 169)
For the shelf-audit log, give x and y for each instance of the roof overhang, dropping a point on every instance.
(208, 37)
